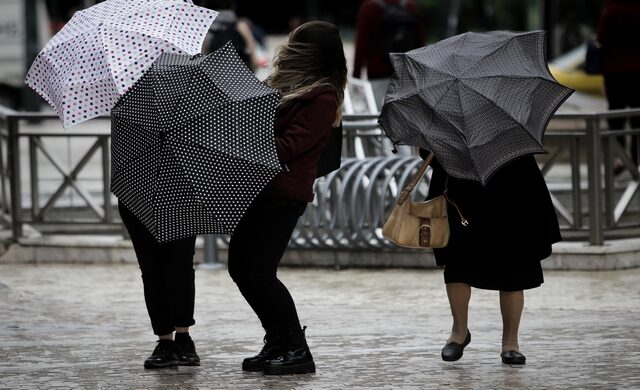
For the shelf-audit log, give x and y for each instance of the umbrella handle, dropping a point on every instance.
(414, 179)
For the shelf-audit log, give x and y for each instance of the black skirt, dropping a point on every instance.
(512, 225)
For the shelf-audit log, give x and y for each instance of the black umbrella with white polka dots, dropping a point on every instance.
(193, 144)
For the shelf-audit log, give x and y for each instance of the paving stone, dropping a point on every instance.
(85, 326)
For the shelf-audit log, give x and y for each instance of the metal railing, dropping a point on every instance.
(351, 204)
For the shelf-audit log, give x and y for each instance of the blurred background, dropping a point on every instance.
(25, 25)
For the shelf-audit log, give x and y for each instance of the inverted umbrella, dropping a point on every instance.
(476, 100)
(193, 144)
(104, 49)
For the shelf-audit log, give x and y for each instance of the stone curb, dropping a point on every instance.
(615, 254)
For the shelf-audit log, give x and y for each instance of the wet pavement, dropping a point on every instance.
(85, 327)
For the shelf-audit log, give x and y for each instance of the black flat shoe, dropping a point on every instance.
(513, 357)
(453, 351)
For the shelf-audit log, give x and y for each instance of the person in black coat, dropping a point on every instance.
(512, 225)
(311, 74)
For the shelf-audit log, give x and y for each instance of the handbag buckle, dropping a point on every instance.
(425, 232)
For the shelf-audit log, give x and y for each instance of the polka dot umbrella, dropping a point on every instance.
(193, 144)
(103, 50)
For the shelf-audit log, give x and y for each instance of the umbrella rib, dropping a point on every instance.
(504, 112)
(441, 71)
(494, 103)
(182, 97)
(147, 33)
(418, 90)
(203, 147)
(495, 51)
(70, 36)
(498, 76)
(123, 28)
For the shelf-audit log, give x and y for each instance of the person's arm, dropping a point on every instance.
(307, 128)
(245, 31)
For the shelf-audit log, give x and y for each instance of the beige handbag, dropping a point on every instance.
(419, 224)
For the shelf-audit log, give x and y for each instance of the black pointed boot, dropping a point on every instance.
(296, 360)
(273, 348)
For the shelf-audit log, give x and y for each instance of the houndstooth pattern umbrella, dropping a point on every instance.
(193, 144)
(476, 100)
(103, 50)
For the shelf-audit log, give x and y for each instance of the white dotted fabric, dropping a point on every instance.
(193, 144)
(103, 50)
(477, 100)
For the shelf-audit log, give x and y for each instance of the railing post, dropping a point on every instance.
(106, 193)
(595, 180)
(3, 176)
(609, 184)
(35, 187)
(211, 255)
(575, 183)
(210, 249)
(14, 171)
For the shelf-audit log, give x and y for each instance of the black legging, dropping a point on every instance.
(255, 250)
(167, 275)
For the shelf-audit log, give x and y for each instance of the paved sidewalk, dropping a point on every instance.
(85, 327)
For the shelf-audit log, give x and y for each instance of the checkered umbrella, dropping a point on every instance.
(476, 100)
(103, 50)
(193, 144)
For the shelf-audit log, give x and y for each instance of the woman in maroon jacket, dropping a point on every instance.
(310, 73)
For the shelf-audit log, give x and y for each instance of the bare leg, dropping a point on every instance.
(511, 305)
(459, 295)
(170, 335)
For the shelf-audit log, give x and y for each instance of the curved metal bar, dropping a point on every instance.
(352, 203)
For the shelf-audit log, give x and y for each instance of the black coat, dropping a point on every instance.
(511, 219)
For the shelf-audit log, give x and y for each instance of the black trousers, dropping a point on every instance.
(167, 275)
(255, 250)
(623, 91)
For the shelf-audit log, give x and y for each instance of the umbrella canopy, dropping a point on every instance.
(104, 49)
(193, 144)
(476, 100)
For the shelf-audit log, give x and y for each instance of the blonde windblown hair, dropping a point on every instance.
(312, 57)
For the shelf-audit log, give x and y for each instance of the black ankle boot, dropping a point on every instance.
(296, 360)
(163, 355)
(186, 350)
(273, 348)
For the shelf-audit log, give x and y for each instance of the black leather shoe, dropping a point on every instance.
(186, 350)
(273, 348)
(162, 356)
(513, 357)
(453, 351)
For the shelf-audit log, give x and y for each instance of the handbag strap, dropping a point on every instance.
(415, 179)
(406, 192)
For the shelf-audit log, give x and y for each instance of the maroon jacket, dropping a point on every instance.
(302, 129)
(619, 34)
